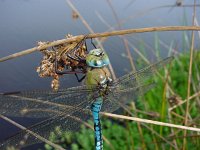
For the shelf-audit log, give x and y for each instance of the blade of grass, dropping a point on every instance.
(164, 103)
(189, 78)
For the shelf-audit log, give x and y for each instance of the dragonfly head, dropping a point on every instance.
(97, 58)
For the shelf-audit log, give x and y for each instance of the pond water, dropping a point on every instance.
(24, 22)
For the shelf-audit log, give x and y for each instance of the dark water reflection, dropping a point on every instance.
(24, 22)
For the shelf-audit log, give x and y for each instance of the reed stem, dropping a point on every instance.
(96, 35)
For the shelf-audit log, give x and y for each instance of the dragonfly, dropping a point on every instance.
(69, 107)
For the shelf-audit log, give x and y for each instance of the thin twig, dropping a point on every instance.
(32, 133)
(125, 41)
(189, 77)
(96, 35)
(151, 122)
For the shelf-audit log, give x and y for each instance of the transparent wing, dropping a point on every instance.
(119, 98)
(135, 79)
(67, 118)
(31, 103)
(130, 86)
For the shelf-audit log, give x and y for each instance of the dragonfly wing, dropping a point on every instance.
(69, 119)
(128, 87)
(119, 98)
(32, 103)
(135, 79)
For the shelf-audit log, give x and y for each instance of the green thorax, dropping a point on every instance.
(97, 72)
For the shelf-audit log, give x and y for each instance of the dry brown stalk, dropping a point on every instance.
(96, 35)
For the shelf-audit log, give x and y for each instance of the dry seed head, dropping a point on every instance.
(174, 100)
(41, 44)
(68, 35)
(55, 84)
(59, 54)
(74, 15)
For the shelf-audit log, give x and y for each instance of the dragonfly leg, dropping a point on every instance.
(95, 108)
(63, 72)
(93, 43)
(56, 64)
(83, 41)
(74, 50)
(73, 58)
(81, 79)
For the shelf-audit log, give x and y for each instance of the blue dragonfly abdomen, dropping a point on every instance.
(97, 75)
(96, 108)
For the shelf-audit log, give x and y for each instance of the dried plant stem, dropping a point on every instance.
(32, 133)
(151, 122)
(125, 41)
(189, 78)
(96, 35)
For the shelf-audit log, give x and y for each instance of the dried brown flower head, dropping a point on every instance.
(63, 57)
(174, 100)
